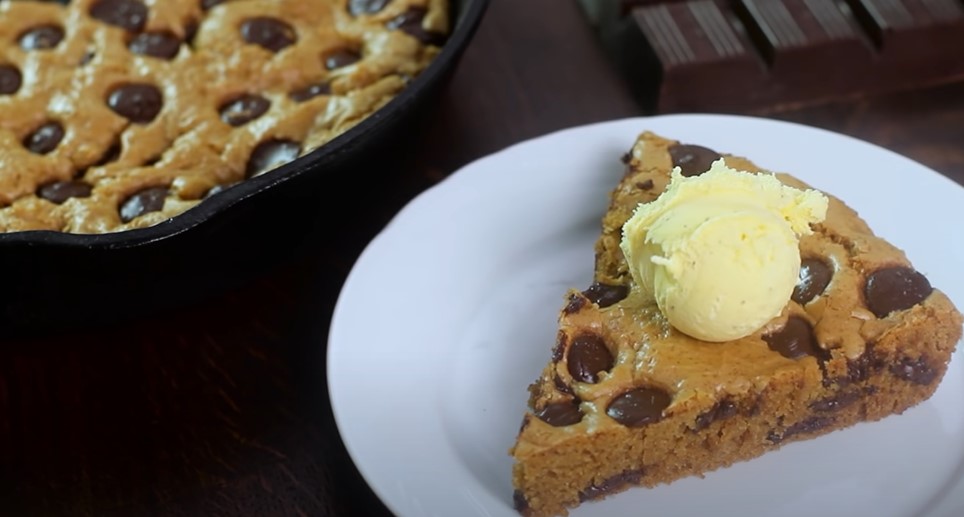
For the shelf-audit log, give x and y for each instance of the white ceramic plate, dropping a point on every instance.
(450, 313)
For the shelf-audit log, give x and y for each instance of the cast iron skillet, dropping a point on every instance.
(55, 281)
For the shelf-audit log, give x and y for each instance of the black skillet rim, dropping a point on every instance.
(467, 21)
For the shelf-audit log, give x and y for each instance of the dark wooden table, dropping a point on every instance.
(221, 408)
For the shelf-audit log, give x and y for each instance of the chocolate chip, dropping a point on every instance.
(519, 502)
(645, 185)
(270, 154)
(359, 7)
(638, 406)
(243, 109)
(917, 371)
(61, 191)
(837, 402)
(41, 37)
(561, 414)
(162, 44)
(269, 33)
(626, 157)
(588, 355)
(190, 31)
(10, 79)
(410, 22)
(605, 295)
(112, 153)
(612, 484)
(45, 138)
(561, 386)
(814, 277)
(861, 368)
(207, 4)
(721, 410)
(137, 102)
(341, 58)
(560, 347)
(895, 289)
(575, 304)
(692, 160)
(794, 340)
(130, 15)
(310, 92)
(148, 200)
(808, 425)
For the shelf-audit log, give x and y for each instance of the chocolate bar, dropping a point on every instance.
(752, 55)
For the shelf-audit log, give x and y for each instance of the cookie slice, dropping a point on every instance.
(627, 400)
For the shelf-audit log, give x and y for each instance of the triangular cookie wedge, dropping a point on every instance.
(627, 400)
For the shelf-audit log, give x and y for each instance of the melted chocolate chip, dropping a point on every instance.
(359, 7)
(861, 368)
(561, 414)
(814, 277)
(605, 295)
(835, 403)
(130, 15)
(241, 110)
(269, 33)
(561, 386)
(588, 355)
(148, 200)
(917, 371)
(575, 304)
(612, 484)
(794, 340)
(310, 92)
(61, 191)
(341, 58)
(162, 44)
(207, 4)
(721, 410)
(560, 347)
(692, 160)
(45, 138)
(895, 289)
(519, 502)
(808, 425)
(270, 154)
(137, 102)
(190, 31)
(41, 37)
(645, 185)
(112, 153)
(410, 22)
(10, 79)
(638, 406)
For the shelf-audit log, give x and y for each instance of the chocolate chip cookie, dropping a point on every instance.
(628, 400)
(120, 114)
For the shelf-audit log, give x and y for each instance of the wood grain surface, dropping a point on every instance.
(220, 407)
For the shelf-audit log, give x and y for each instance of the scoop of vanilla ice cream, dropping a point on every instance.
(719, 252)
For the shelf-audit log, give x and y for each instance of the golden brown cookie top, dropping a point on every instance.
(120, 114)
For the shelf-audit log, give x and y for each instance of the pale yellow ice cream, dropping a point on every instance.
(719, 252)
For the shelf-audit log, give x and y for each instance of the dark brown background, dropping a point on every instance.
(220, 408)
